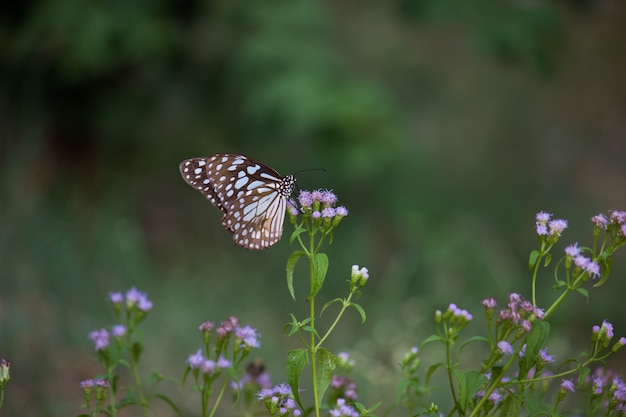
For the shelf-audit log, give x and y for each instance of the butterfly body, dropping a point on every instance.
(252, 196)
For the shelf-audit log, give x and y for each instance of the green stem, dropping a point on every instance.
(135, 371)
(312, 322)
(449, 366)
(346, 304)
(534, 281)
(219, 397)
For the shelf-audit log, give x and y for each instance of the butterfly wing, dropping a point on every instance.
(252, 195)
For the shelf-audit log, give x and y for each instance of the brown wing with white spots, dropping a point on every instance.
(252, 195)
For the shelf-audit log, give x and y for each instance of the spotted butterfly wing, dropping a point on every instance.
(252, 196)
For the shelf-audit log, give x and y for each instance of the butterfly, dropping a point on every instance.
(252, 196)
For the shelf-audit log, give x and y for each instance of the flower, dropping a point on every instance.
(572, 250)
(305, 199)
(328, 198)
(196, 360)
(593, 269)
(207, 366)
(206, 327)
(542, 217)
(343, 410)
(505, 347)
(567, 385)
(87, 383)
(544, 356)
(328, 213)
(489, 303)
(223, 363)
(119, 330)
(341, 211)
(100, 339)
(557, 226)
(248, 337)
(116, 297)
(316, 214)
(600, 221)
(618, 217)
(136, 298)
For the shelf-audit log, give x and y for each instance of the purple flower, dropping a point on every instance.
(316, 214)
(317, 195)
(207, 366)
(618, 217)
(341, 211)
(328, 213)
(593, 269)
(557, 226)
(489, 303)
(223, 363)
(119, 330)
(545, 356)
(542, 230)
(598, 383)
(581, 261)
(196, 360)
(116, 297)
(88, 383)
(248, 336)
(542, 217)
(600, 221)
(623, 230)
(572, 250)
(343, 410)
(206, 327)
(567, 385)
(305, 199)
(103, 383)
(293, 211)
(135, 297)
(328, 198)
(505, 347)
(495, 397)
(100, 338)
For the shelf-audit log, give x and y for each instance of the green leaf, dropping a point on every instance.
(469, 382)
(295, 234)
(534, 255)
(325, 365)
(431, 371)
(547, 259)
(605, 270)
(170, 403)
(535, 340)
(296, 359)
(361, 312)
(472, 340)
(328, 304)
(584, 292)
(291, 264)
(430, 339)
(136, 350)
(320, 267)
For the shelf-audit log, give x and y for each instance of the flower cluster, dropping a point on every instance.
(5, 374)
(132, 307)
(582, 263)
(457, 316)
(279, 401)
(343, 410)
(197, 361)
(608, 391)
(550, 228)
(319, 205)
(519, 313)
(101, 386)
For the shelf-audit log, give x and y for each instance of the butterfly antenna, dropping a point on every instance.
(309, 169)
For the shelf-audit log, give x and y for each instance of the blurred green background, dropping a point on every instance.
(443, 125)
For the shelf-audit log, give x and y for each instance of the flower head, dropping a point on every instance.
(247, 337)
(600, 221)
(100, 339)
(196, 360)
(505, 347)
(567, 385)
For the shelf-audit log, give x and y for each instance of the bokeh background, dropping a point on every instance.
(443, 126)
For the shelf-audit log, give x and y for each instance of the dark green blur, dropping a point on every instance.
(443, 127)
